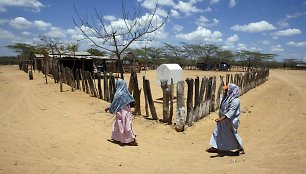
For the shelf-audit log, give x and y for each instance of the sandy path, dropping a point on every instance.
(45, 131)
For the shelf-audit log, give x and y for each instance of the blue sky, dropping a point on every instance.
(267, 26)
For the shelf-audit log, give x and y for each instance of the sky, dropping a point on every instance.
(267, 26)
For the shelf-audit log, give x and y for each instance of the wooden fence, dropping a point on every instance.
(203, 94)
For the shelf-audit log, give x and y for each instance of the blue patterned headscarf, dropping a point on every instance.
(232, 93)
(122, 97)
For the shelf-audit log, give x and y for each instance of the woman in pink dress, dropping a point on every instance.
(121, 106)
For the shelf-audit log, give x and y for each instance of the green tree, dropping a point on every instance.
(25, 51)
(251, 59)
(96, 52)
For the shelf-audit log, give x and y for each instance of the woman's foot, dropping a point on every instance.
(134, 143)
(212, 150)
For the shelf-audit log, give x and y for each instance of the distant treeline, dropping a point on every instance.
(8, 60)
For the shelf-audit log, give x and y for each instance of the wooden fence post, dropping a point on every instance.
(220, 93)
(136, 92)
(150, 100)
(110, 87)
(196, 99)
(145, 95)
(189, 101)
(171, 102)
(83, 80)
(213, 94)
(164, 86)
(77, 78)
(180, 108)
(99, 86)
(105, 87)
(61, 81)
(208, 96)
(72, 79)
(202, 103)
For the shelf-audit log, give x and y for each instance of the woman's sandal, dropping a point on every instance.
(212, 150)
(134, 143)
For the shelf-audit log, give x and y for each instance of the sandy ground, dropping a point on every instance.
(45, 131)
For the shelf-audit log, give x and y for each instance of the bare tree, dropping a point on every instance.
(117, 36)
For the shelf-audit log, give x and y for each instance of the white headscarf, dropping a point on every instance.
(232, 93)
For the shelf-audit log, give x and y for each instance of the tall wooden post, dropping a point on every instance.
(164, 86)
(220, 93)
(202, 90)
(136, 92)
(99, 86)
(105, 87)
(145, 95)
(150, 100)
(196, 99)
(180, 108)
(171, 102)
(213, 94)
(189, 101)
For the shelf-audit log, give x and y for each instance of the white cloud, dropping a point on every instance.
(254, 27)
(57, 32)
(297, 44)
(264, 42)
(214, 1)
(4, 34)
(277, 48)
(174, 13)
(177, 28)
(202, 34)
(42, 25)
(32, 4)
(151, 4)
(202, 21)
(161, 12)
(187, 7)
(288, 32)
(232, 3)
(109, 17)
(25, 33)
(284, 22)
(208, 9)
(20, 23)
(232, 39)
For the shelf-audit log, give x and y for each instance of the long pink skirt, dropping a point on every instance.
(122, 126)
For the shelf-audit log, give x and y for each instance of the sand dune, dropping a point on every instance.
(45, 131)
